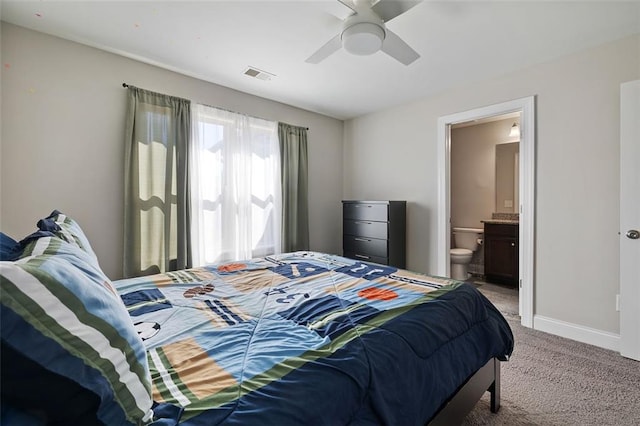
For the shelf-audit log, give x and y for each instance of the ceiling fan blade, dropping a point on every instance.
(349, 3)
(325, 51)
(336, 8)
(389, 9)
(395, 47)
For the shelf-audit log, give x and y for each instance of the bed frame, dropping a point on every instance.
(487, 378)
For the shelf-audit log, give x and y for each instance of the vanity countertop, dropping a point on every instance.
(501, 221)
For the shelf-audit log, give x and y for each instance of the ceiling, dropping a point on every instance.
(459, 43)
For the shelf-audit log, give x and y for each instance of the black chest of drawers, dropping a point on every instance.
(375, 231)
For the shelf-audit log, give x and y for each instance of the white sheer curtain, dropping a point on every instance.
(235, 186)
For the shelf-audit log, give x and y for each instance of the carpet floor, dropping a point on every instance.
(550, 380)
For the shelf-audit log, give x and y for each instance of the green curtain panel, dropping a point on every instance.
(156, 217)
(295, 198)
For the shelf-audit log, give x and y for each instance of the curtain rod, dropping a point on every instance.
(125, 85)
(293, 125)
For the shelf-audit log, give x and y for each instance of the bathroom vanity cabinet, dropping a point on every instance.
(374, 231)
(501, 252)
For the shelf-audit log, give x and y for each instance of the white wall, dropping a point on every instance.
(63, 112)
(62, 129)
(472, 175)
(473, 172)
(392, 155)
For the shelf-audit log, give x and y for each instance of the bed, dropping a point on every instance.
(293, 338)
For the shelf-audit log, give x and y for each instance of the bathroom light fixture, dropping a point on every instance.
(515, 131)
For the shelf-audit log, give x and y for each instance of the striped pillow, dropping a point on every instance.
(67, 229)
(60, 310)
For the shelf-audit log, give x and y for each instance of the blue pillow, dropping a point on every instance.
(61, 312)
(9, 248)
(67, 229)
(14, 416)
(23, 388)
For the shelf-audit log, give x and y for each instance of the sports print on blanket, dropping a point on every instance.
(310, 338)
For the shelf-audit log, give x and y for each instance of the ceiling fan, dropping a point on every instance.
(364, 31)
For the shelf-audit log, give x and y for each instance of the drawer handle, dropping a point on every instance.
(363, 223)
(362, 256)
(366, 240)
(362, 205)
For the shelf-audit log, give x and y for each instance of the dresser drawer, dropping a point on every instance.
(366, 228)
(366, 211)
(367, 258)
(365, 245)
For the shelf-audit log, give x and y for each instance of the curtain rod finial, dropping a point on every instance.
(125, 85)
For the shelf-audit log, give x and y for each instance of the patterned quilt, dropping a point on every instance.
(310, 338)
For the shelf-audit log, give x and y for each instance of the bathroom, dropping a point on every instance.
(485, 191)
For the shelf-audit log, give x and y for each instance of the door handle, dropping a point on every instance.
(633, 234)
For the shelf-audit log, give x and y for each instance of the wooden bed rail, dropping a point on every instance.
(487, 378)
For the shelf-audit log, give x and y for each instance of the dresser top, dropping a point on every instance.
(373, 202)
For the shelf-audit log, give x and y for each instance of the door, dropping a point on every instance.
(630, 220)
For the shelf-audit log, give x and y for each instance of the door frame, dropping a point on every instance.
(526, 253)
(629, 219)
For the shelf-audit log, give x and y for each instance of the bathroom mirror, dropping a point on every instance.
(507, 177)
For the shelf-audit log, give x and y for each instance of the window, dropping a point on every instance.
(235, 186)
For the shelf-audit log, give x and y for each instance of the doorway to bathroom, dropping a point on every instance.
(495, 202)
(484, 201)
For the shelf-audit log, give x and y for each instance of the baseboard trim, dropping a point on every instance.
(580, 333)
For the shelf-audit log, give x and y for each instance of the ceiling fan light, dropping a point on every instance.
(363, 38)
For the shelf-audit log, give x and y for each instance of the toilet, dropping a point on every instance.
(466, 241)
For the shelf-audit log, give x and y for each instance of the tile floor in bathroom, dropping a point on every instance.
(505, 298)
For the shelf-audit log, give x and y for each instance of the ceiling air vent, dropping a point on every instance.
(257, 73)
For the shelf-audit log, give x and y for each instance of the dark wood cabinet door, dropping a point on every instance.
(501, 254)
